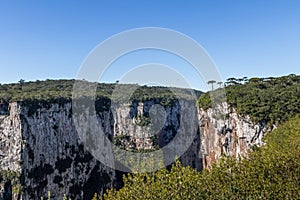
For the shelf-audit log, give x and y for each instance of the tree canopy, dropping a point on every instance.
(62, 89)
(269, 100)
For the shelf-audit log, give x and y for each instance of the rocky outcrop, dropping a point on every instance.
(38, 139)
(224, 132)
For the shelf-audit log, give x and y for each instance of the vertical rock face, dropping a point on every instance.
(149, 125)
(45, 148)
(224, 132)
(40, 142)
(10, 138)
(54, 158)
(10, 149)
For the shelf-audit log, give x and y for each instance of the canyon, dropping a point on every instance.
(42, 152)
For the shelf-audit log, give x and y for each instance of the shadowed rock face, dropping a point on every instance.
(40, 142)
(4, 108)
(45, 149)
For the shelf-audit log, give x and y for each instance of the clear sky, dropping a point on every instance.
(50, 39)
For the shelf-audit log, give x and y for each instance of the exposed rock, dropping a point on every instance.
(39, 140)
(225, 132)
(45, 148)
(10, 139)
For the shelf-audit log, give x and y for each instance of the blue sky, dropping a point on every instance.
(50, 39)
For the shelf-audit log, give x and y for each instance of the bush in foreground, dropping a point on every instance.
(271, 172)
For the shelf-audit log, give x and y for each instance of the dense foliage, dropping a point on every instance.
(270, 172)
(62, 89)
(42, 90)
(269, 100)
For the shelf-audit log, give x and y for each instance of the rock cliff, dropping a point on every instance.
(39, 141)
(42, 144)
(224, 132)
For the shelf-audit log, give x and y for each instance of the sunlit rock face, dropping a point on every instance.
(223, 131)
(10, 148)
(10, 138)
(39, 141)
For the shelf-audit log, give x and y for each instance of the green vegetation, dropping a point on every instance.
(122, 141)
(269, 100)
(142, 120)
(43, 93)
(62, 89)
(13, 177)
(39, 90)
(270, 172)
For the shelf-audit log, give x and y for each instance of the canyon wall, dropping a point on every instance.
(40, 143)
(44, 147)
(224, 132)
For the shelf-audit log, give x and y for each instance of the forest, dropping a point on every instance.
(269, 100)
(50, 90)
